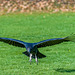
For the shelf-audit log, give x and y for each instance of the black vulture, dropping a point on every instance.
(32, 48)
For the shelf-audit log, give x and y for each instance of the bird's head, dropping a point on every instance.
(32, 49)
(29, 50)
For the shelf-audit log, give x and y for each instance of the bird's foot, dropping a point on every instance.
(36, 59)
(30, 58)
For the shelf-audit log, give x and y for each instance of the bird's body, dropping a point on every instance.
(32, 48)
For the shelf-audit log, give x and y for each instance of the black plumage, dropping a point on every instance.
(32, 48)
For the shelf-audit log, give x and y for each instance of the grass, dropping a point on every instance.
(60, 58)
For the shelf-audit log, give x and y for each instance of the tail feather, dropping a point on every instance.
(39, 55)
(26, 53)
(70, 38)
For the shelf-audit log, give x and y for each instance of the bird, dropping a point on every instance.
(32, 48)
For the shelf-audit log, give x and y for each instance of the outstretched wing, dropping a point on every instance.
(13, 42)
(49, 42)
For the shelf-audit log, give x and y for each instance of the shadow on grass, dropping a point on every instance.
(65, 70)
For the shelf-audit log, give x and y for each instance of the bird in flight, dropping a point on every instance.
(32, 48)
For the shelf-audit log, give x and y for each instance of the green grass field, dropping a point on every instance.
(60, 58)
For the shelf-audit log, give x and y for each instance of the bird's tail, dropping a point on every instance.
(39, 55)
(70, 38)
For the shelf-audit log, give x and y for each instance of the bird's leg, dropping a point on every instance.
(36, 59)
(30, 58)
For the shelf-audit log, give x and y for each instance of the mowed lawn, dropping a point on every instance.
(60, 58)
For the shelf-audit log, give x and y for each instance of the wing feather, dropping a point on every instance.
(13, 42)
(49, 42)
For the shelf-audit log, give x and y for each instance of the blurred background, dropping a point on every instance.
(22, 6)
